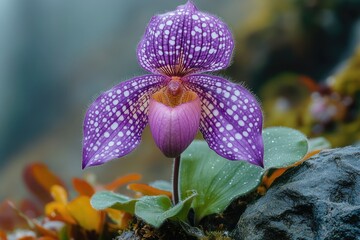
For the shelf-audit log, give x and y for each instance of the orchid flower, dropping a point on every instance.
(177, 99)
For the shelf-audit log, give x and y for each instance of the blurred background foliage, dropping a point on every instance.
(299, 56)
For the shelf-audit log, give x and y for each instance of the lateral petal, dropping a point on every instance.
(231, 118)
(114, 122)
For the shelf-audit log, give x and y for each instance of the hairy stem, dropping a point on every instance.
(175, 181)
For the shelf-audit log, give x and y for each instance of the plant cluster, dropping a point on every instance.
(177, 99)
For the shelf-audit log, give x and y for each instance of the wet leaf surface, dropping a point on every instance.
(219, 181)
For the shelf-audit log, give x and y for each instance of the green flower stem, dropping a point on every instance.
(175, 182)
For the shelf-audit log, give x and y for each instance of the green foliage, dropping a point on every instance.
(161, 184)
(216, 180)
(318, 143)
(283, 147)
(156, 209)
(208, 182)
(105, 199)
(152, 209)
(219, 181)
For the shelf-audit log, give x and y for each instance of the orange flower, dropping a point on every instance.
(78, 212)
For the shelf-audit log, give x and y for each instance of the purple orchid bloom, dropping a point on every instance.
(176, 100)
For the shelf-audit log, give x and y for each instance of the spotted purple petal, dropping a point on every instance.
(114, 122)
(231, 120)
(185, 41)
(174, 128)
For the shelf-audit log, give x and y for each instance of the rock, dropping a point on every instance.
(320, 199)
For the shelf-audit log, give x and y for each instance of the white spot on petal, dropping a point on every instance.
(214, 35)
(229, 111)
(238, 136)
(114, 126)
(229, 127)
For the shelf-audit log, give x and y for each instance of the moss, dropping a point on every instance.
(139, 230)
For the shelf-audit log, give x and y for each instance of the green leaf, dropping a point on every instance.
(106, 199)
(283, 147)
(216, 180)
(152, 209)
(162, 185)
(318, 143)
(219, 181)
(156, 209)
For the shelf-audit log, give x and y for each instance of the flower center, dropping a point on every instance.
(174, 93)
